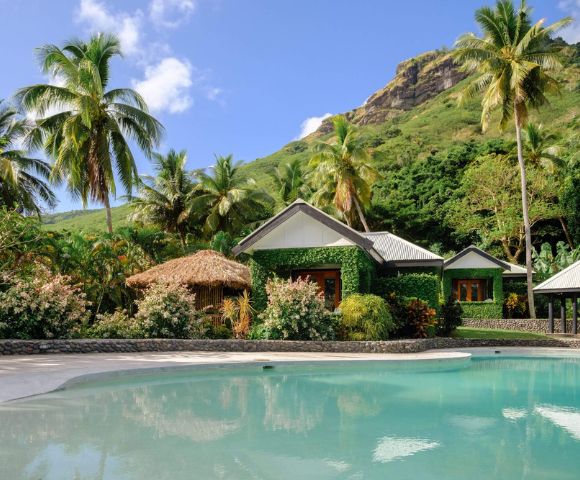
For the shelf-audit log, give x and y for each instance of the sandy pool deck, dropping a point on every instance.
(26, 375)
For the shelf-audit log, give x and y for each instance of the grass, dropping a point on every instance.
(491, 334)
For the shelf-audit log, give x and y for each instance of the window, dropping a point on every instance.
(473, 290)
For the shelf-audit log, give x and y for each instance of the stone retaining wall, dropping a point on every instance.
(30, 347)
(525, 325)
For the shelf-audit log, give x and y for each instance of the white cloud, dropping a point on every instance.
(99, 18)
(166, 85)
(170, 13)
(311, 124)
(572, 32)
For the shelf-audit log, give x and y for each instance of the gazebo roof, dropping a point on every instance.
(566, 281)
(205, 268)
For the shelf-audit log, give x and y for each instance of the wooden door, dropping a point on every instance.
(328, 282)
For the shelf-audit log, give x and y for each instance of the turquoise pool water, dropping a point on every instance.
(494, 418)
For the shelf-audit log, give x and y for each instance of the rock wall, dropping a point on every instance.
(524, 325)
(31, 347)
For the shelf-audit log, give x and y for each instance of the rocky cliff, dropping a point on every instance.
(416, 81)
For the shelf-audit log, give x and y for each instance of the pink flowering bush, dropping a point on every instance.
(295, 311)
(168, 311)
(41, 307)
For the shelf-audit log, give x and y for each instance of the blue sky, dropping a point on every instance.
(244, 76)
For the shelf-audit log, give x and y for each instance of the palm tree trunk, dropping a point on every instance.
(361, 215)
(108, 211)
(527, 227)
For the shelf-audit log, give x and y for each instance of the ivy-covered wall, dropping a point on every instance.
(493, 309)
(421, 285)
(357, 269)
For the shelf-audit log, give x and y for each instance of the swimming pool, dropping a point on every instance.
(498, 417)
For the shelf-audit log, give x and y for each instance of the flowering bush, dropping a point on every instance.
(295, 311)
(365, 317)
(42, 307)
(115, 325)
(168, 311)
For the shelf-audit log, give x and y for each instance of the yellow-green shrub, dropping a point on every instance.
(365, 317)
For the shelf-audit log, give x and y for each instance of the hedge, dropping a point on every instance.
(357, 269)
(420, 285)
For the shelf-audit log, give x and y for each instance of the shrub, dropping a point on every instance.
(450, 316)
(42, 307)
(115, 325)
(239, 312)
(421, 318)
(365, 317)
(295, 311)
(515, 306)
(168, 311)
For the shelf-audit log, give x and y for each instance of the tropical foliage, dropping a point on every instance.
(165, 200)
(514, 60)
(226, 199)
(85, 128)
(343, 173)
(289, 182)
(23, 183)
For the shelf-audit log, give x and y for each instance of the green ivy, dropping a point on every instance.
(492, 309)
(424, 286)
(357, 269)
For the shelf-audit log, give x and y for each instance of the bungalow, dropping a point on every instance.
(303, 241)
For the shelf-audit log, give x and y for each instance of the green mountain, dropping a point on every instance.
(416, 114)
(410, 119)
(86, 220)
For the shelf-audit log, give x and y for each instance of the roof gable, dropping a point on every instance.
(473, 257)
(302, 208)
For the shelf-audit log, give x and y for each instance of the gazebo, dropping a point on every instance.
(207, 273)
(563, 285)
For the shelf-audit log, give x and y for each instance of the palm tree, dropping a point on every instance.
(165, 199)
(540, 151)
(21, 189)
(513, 60)
(87, 137)
(225, 199)
(342, 173)
(289, 182)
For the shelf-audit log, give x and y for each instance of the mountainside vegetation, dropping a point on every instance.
(423, 143)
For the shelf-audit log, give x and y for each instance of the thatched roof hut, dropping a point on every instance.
(207, 273)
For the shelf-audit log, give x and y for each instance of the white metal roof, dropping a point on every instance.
(397, 249)
(568, 280)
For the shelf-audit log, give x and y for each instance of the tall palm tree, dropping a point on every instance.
(289, 182)
(539, 150)
(165, 199)
(225, 199)
(88, 136)
(22, 185)
(342, 173)
(513, 60)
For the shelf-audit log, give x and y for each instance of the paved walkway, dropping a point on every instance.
(25, 375)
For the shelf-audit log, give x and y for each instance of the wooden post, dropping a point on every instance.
(551, 314)
(575, 313)
(563, 313)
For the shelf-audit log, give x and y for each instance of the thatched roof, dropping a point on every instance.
(205, 268)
